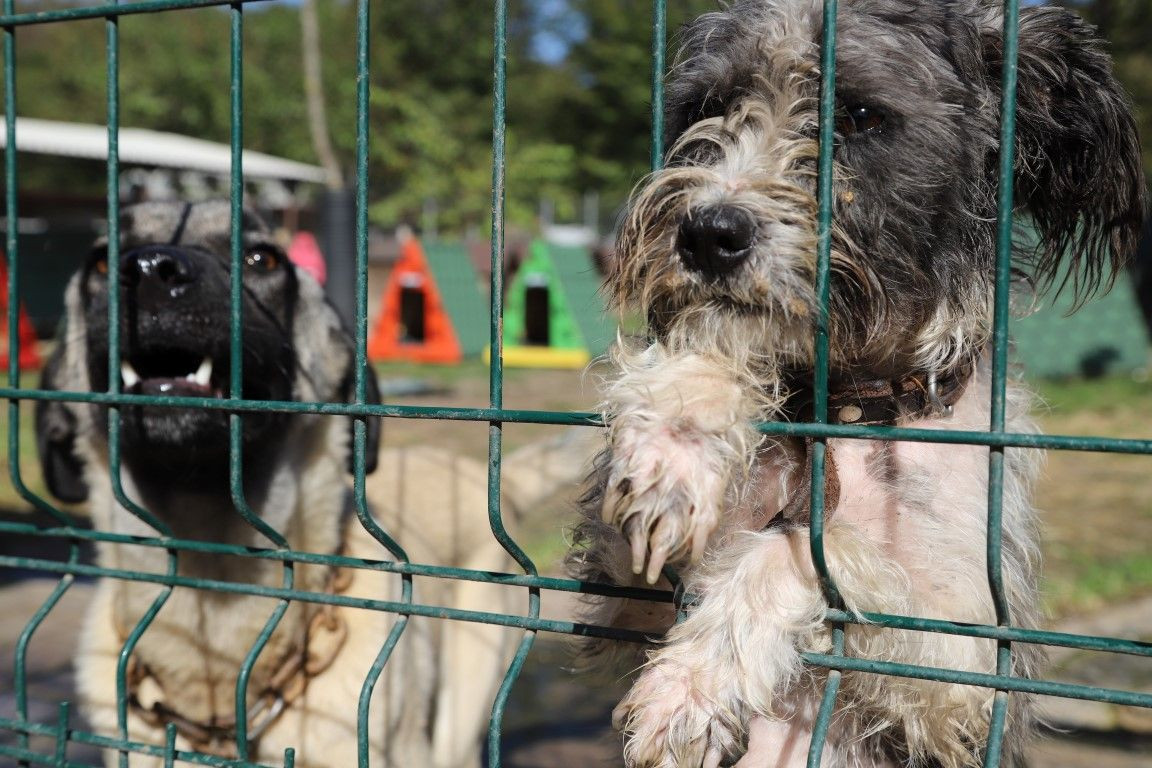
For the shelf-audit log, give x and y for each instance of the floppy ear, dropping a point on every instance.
(56, 440)
(1078, 168)
(372, 433)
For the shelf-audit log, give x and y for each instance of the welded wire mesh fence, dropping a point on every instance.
(21, 729)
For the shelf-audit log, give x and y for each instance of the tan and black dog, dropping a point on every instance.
(430, 706)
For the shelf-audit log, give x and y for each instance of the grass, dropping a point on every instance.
(1104, 397)
(1096, 508)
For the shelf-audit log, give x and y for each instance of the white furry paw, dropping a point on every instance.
(664, 491)
(669, 721)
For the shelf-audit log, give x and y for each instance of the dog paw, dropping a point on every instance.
(669, 722)
(664, 492)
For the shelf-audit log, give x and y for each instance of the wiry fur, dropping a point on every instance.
(688, 483)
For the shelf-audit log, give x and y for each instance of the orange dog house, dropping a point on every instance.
(29, 354)
(413, 323)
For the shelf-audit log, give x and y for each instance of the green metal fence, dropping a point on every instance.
(63, 731)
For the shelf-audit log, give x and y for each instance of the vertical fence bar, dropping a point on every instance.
(827, 108)
(496, 371)
(20, 657)
(659, 64)
(659, 46)
(12, 252)
(169, 745)
(63, 730)
(112, 45)
(11, 212)
(823, 269)
(236, 382)
(1008, 75)
(362, 368)
(12, 247)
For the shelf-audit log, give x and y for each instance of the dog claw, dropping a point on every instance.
(613, 500)
(656, 564)
(639, 550)
(663, 542)
(700, 542)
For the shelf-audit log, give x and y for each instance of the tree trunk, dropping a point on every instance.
(314, 95)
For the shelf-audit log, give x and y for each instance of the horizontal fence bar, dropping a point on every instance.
(280, 593)
(104, 742)
(882, 620)
(981, 679)
(329, 409)
(338, 561)
(107, 11)
(1000, 682)
(991, 632)
(589, 419)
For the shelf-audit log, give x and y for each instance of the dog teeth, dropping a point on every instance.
(203, 373)
(128, 374)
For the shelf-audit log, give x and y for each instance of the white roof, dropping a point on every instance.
(139, 146)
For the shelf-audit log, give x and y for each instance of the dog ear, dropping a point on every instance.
(56, 440)
(1078, 167)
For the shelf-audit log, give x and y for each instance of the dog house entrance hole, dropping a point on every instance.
(537, 325)
(411, 309)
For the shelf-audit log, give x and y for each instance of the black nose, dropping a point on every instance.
(716, 239)
(158, 272)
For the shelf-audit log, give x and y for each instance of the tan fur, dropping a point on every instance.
(430, 706)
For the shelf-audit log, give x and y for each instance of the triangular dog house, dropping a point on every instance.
(582, 290)
(539, 327)
(413, 323)
(29, 354)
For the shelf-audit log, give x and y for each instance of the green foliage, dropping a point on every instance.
(1127, 26)
(577, 122)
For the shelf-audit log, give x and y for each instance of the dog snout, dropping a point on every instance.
(158, 273)
(716, 239)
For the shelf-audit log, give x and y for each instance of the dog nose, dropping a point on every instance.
(716, 239)
(157, 273)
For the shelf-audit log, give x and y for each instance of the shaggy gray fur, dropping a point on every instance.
(718, 251)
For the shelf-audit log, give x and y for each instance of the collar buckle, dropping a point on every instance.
(939, 407)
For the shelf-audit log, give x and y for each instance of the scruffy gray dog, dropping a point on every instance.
(718, 250)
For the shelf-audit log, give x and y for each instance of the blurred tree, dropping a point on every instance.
(604, 109)
(314, 93)
(1127, 26)
(579, 79)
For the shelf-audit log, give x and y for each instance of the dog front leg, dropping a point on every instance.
(681, 430)
(732, 659)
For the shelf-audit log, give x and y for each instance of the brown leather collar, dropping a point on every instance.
(866, 400)
(863, 401)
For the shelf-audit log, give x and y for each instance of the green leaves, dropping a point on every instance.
(577, 122)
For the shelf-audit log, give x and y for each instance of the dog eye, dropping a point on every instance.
(857, 119)
(262, 259)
